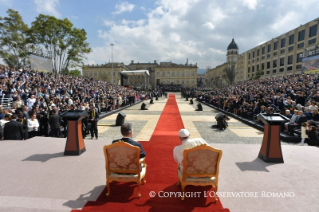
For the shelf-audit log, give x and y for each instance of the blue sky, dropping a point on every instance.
(171, 30)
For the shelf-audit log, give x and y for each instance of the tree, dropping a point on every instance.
(104, 76)
(65, 44)
(13, 40)
(76, 73)
(258, 74)
(230, 72)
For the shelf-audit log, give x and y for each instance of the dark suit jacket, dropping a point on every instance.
(96, 118)
(134, 143)
(301, 120)
(55, 121)
(13, 130)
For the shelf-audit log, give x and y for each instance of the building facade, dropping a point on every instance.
(162, 73)
(279, 56)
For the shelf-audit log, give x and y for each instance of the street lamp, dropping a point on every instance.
(112, 44)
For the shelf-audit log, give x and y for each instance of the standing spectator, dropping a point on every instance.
(30, 102)
(24, 123)
(13, 130)
(93, 119)
(55, 122)
(33, 126)
(25, 113)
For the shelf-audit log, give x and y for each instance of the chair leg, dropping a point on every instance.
(144, 181)
(216, 188)
(138, 190)
(183, 190)
(108, 187)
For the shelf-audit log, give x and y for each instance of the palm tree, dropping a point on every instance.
(230, 72)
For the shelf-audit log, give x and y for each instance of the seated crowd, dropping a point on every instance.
(295, 96)
(38, 96)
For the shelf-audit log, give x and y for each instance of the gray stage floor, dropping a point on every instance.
(35, 176)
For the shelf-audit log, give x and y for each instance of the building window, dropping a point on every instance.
(268, 55)
(291, 39)
(282, 61)
(313, 31)
(90, 74)
(301, 35)
(312, 41)
(269, 48)
(158, 73)
(253, 54)
(283, 43)
(249, 56)
(168, 81)
(182, 81)
(282, 51)
(178, 73)
(263, 50)
(290, 59)
(173, 81)
(298, 66)
(274, 63)
(192, 81)
(274, 71)
(263, 66)
(177, 81)
(248, 75)
(187, 74)
(263, 57)
(257, 68)
(168, 73)
(300, 45)
(173, 74)
(248, 69)
(276, 45)
(253, 69)
(275, 53)
(258, 52)
(281, 70)
(289, 68)
(183, 74)
(163, 74)
(193, 74)
(290, 48)
(268, 65)
(268, 72)
(299, 59)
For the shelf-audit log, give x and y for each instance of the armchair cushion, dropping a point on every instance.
(133, 177)
(122, 158)
(201, 162)
(196, 180)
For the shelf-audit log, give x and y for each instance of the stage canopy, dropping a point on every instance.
(136, 72)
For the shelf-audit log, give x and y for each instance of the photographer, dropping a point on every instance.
(312, 133)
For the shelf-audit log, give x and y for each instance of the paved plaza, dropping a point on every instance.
(199, 123)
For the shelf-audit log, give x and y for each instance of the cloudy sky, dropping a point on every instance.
(171, 30)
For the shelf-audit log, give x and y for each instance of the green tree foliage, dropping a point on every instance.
(73, 73)
(258, 74)
(13, 39)
(104, 76)
(230, 73)
(65, 44)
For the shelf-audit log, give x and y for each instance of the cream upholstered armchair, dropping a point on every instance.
(122, 163)
(200, 167)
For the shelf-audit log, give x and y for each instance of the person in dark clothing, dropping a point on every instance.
(301, 119)
(312, 133)
(13, 130)
(24, 123)
(93, 119)
(55, 123)
(127, 132)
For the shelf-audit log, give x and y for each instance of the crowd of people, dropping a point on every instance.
(39, 98)
(294, 96)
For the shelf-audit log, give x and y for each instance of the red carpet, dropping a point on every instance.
(161, 175)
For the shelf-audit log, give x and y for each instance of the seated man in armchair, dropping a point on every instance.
(186, 144)
(127, 132)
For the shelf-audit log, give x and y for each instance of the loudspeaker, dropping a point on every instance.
(143, 106)
(151, 102)
(120, 119)
(156, 98)
(199, 107)
(186, 98)
(191, 101)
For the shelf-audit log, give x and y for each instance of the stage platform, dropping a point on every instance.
(36, 176)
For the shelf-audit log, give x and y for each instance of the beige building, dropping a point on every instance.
(162, 73)
(279, 56)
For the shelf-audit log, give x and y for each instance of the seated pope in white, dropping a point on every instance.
(186, 144)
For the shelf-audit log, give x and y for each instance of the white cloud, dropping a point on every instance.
(251, 4)
(199, 30)
(108, 23)
(123, 7)
(48, 6)
(143, 8)
(74, 16)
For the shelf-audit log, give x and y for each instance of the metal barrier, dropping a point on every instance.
(6, 103)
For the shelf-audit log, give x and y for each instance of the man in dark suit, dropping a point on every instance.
(301, 119)
(13, 130)
(55, 123)
(93, 119)
(127, 132)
